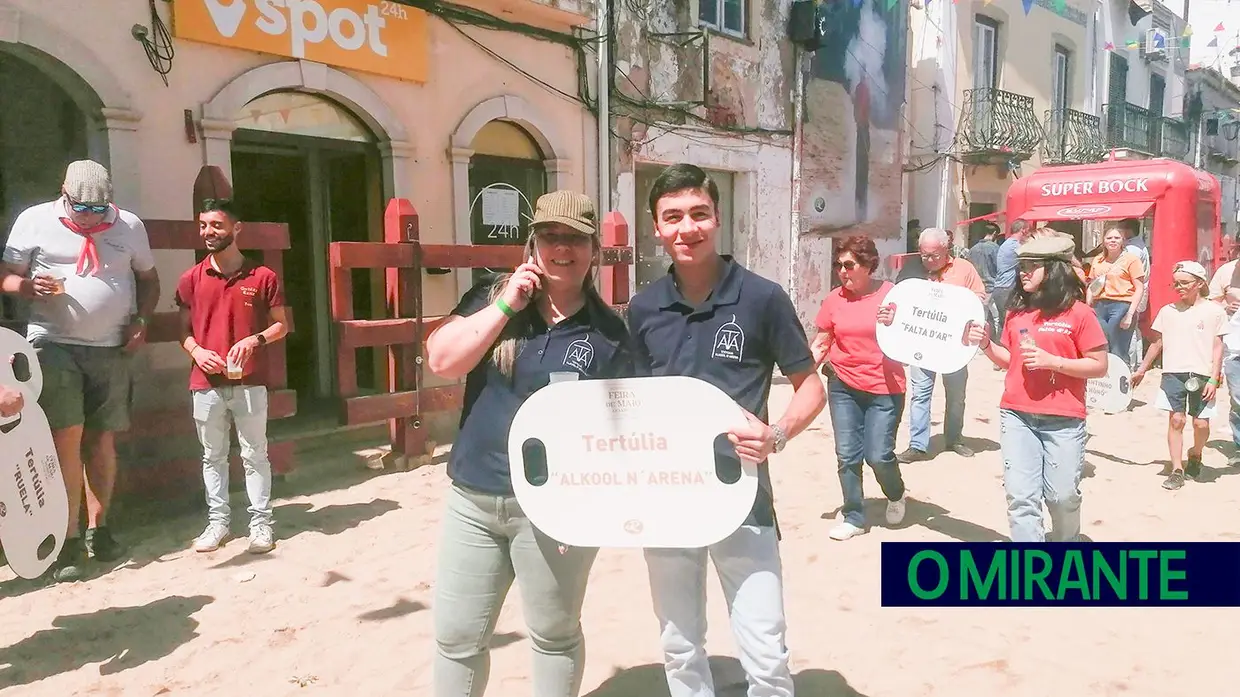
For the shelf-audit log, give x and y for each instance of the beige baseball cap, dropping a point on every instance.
(567, 208)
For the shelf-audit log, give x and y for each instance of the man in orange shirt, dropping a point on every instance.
(934, 246)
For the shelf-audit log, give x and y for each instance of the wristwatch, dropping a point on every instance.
(262, 340)
(781, 438)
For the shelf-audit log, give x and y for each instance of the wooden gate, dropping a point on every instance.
(404, 258)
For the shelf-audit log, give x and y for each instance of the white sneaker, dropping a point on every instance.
(211, 538)
(845, 531)
(896, 510)
(262, 539)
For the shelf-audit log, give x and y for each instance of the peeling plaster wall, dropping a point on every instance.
(763, 189)
(748, 88)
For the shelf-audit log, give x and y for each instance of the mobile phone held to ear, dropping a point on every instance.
(542, 278)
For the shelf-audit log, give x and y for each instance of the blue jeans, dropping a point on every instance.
(1110, 313)
(1043, 457)
(865, 431)
(246, 407)
(921, 390)
(1231, 369)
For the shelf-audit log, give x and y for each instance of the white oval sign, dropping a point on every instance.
(34, 508)
(929, 326)
(630, 463)
(1111, 393)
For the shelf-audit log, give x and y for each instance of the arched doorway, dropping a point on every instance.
(507, 174)
(43, 127)
(304, 160)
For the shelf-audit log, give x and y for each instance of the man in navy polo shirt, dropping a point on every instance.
(712, 319)
(231, 308)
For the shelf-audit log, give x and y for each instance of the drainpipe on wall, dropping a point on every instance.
(798, 137)
(603, 13)
(947, 59)
(1092, 51)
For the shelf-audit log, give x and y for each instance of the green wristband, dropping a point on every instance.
(1213, 381)
(504, 308)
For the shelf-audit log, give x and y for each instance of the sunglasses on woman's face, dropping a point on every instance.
(847, 265)
(1182, 284)
(1030, 266)
(88, 208)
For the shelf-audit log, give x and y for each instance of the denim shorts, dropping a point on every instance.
(1177, 399)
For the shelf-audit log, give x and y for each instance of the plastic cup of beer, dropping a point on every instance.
(58, 282)
(234, 369)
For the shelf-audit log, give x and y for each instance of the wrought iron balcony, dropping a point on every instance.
(997, 125)
(1072, 138)
(1175, 139)
(1131, 127)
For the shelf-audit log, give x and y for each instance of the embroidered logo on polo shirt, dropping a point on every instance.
(729, 341)
(249, 291)
(580, 355)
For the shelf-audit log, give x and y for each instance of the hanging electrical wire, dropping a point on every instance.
(157, 43)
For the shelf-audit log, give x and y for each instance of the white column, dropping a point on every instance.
(217, 135)
(560, 176)
(116, 144)
(460, 209)
(398, 163)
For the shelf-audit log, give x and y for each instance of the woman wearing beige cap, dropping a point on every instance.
(508, 337)
(1051, 345)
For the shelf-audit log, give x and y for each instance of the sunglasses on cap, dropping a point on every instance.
(89, 208)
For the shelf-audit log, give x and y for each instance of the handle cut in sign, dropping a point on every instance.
(34, 508)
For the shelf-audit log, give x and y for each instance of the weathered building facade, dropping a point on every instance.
(1217, 144)
(806, 146)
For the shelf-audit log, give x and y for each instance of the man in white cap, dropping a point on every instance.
(87, 269)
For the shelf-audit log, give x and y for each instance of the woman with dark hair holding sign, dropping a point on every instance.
(865, 389)
(509, 337)
(1051, 344)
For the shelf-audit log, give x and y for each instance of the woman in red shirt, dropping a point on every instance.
(1051, 345)
(865, 389)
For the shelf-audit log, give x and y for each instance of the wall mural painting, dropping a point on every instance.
(850, 172)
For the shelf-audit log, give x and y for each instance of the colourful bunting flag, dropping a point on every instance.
(1028, 6)
(1060, 6)
(892, 3)
(1185, 42)
(1132, 44)
(1108, 46)
(1188, 31)
(1213, 43)
(1219, 27)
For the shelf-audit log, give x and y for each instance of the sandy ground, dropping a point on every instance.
(343, 605)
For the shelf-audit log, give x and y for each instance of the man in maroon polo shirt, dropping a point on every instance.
(231, 308)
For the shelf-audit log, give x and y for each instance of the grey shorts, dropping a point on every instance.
(85, 386)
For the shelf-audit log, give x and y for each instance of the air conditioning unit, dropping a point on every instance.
(1156, 43)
